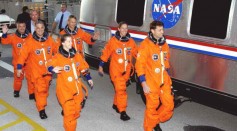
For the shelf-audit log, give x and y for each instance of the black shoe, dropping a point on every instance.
(32, 96)
(42, 114)
(157, 128)
(16, 93)
(115, 108)
(124, 116)
(62, 113)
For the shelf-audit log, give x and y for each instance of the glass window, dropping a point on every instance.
(210, 18)
(131, 11)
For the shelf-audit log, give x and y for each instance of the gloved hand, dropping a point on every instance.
(101, 71)
(91, 84)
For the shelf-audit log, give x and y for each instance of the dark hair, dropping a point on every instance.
(25, 8)
(64, 4)
(20, 22)
(121, 23)
(3, 11)
(156, 23)
(64, 37)
(72, 16)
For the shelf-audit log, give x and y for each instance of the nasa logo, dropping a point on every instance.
(67, 68)
(167, 11)
(37, 51)
(119, 51)
(19, 45)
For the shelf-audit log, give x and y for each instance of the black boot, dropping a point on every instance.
(32, 96)
(115, 108)
(157, 128)
(124, 116)
(62, 113)
(16, 93)
(42, 114)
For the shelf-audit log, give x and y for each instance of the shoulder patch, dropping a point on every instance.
(155, 57)
(48, 49)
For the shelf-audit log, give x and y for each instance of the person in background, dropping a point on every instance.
(30, 25)
(61, 18)
(24, 16)
(121, 48)
(69, 65)
(156, 83)
(17, 40)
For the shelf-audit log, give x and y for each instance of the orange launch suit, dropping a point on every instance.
(150, 67)
(69, 88)
(17, 45)
(121, 54)
(37, 52)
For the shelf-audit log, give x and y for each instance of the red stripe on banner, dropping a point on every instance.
(87, 24)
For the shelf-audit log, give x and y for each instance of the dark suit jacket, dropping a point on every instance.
(28, 26)
(23, 17)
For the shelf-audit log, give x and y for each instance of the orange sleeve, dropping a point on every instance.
(86, 37)
(24, 53)
(107, 51)
(7, 40)
(134, 49)
(52, 62)
(83, 64)
(55, 46)
(167, 55)
(141, 59)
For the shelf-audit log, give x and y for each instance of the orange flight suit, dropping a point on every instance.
(69, 88)
(116, 50)
(38, 52)
(78, 39)
(165, 49)
(17, 43)
(149, 64)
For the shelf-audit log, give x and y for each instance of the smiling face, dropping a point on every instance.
(72, 23)
(67, 44)
(21, 27)
(39, 29)
(158, 32)
(123, 30)
(34, 15)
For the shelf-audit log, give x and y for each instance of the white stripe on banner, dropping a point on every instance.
(6, 66)
(87, 27)
(203, 48)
